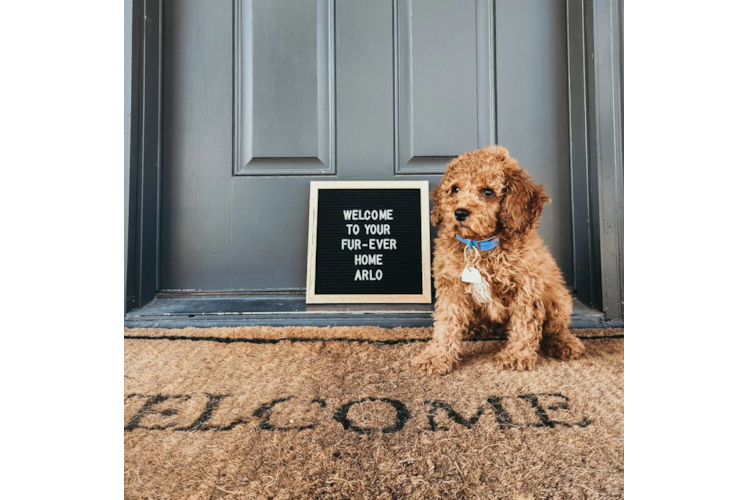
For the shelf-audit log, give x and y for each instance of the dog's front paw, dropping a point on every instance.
(431, 362)
(518, 362)
(563, 347)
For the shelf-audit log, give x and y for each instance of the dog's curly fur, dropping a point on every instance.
(528, 292)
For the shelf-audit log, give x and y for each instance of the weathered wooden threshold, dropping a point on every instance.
(209, 310)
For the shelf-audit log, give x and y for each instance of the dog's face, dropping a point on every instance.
(485, 193)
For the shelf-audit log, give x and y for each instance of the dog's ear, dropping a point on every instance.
(522, 202)
(436, 213)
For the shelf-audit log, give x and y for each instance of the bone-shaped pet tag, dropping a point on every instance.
(471, 275)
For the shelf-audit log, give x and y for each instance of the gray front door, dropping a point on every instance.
(262, 96)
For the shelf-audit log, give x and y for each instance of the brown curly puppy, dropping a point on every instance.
(485, 194)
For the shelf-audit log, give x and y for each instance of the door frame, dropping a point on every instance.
(128, 127)
(143, 158)
(595, 71)
(595, 92)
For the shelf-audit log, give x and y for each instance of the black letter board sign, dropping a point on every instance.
(368, 242)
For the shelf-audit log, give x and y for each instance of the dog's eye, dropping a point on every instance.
(455, 189)
(487, 192)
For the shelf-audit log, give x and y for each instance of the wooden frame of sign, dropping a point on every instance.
(379, 227)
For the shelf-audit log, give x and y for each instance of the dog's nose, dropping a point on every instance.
(461, 214)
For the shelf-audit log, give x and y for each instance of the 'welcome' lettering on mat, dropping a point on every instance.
(187, 413)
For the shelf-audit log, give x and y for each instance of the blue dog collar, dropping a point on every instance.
(483, 246)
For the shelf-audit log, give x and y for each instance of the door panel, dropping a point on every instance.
(388, 87)
(445, 80)
(285, 87)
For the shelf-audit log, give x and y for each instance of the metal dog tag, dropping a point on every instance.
(471, 275)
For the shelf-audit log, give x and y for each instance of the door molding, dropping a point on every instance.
(595, 56)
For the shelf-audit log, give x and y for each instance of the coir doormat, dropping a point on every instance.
(288, 413)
